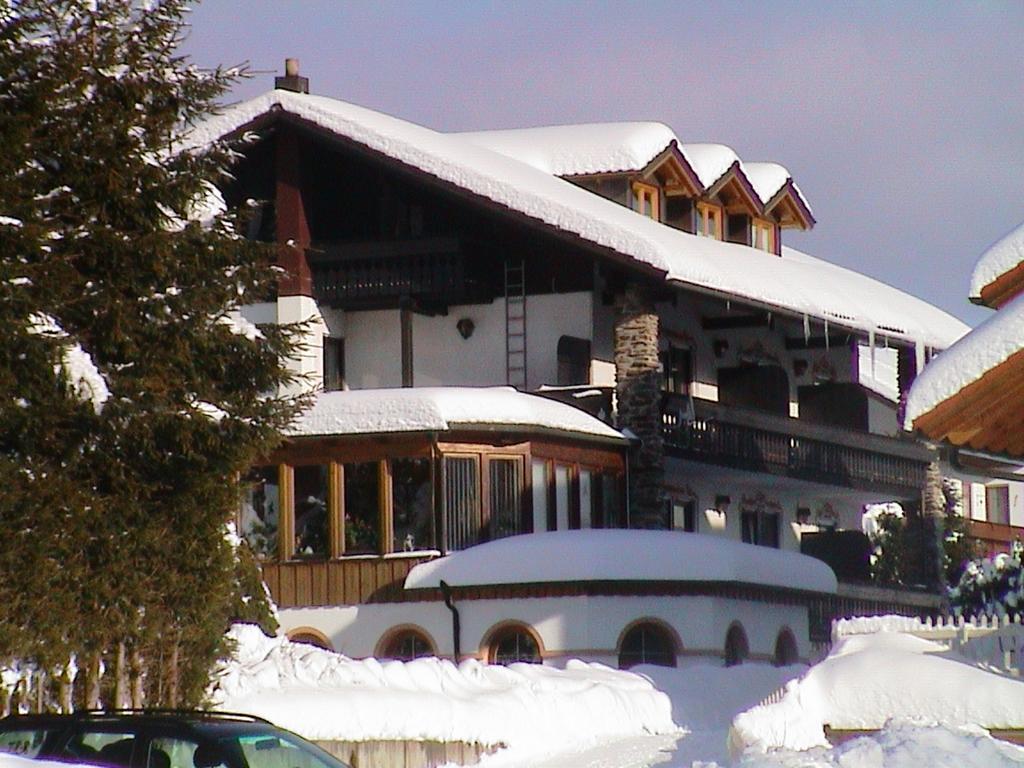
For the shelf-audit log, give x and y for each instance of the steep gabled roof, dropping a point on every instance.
(775, 186)
(796, 283)
(999, 273)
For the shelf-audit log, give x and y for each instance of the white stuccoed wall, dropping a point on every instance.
(309, 359)
(442, 357)
(569, 627)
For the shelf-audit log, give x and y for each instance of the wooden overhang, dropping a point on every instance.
(671, 168)
(1003, 288)
(276, 116)
(986, 415)
(736, 193)
(787, 206)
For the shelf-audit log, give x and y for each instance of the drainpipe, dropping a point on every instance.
(446, 592)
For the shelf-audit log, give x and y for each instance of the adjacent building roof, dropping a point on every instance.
(443, 409)
(996, 265)
(796, 283)
(622, 555)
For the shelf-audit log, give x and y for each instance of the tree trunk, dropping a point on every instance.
(172, 676)
(934, 514)
(93, 674)
(138, 680)
(121, 677)
(638, 394)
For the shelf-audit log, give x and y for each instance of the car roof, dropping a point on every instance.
(198, 718)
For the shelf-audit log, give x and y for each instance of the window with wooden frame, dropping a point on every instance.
(412, 504)
(260, 512)
(709, 221)
(997, 504)
(362, 522)
(676, 369)
(505, 495)
(646, 200)
(310, 491)
(762, 235)
(462, 510)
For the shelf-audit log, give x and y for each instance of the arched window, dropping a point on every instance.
(786, 652)
(406, 644)
(512, 643)
(310, 636)
(736, 647)
(647, 642)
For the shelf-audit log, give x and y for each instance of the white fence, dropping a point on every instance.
(990, 640)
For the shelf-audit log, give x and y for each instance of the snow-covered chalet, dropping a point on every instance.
(521, 339)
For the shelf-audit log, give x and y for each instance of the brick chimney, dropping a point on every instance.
(291, 80)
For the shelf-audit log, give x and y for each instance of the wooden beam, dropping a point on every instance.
(408, 359)
(1004, 287)
(755, 320)
(336, 508)
(286, 516)
(291, 225)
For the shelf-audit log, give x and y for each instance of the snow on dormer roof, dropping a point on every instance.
(443, 409)
(766, 178)
(1005, 255)
(710, 161)
(572, 150)
(796, 283)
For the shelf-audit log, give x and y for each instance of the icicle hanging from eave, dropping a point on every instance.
(871, 344)
(807, 329)
(919, 354)
(826, 335)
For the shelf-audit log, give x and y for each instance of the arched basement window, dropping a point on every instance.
(647, 643)
(407, 644)
(310, 636)
(513, 643)
(736, 647)
(786, 652)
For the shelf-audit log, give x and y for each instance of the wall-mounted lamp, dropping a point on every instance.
(465, 327)
(722, 503)
(799, 367)
(719, 346)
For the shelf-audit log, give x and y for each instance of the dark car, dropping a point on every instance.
(160, 739)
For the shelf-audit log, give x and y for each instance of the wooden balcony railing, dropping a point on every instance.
(346, 581)
(994, 537)
(354, 274)
(763, 442)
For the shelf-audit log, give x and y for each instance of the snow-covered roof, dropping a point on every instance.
(766, 178)
(441, 409)
(710, 161)
(796, 283)
(567, 150)
(999, 259)
(622, 555)
(991, 343)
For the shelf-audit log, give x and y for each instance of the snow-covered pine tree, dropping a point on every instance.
(131, 381)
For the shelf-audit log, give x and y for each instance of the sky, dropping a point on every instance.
(902, 122)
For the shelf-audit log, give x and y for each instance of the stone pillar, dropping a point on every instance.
(638, 392)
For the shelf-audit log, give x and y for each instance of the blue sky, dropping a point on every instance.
(903, 123)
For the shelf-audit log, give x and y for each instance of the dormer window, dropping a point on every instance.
(645, 200)
(709, 221)
(762, 235)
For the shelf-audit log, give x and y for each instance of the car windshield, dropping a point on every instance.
(276, 750)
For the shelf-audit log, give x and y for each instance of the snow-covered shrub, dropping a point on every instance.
(991, 585)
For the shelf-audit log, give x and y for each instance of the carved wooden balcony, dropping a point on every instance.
(761, 442)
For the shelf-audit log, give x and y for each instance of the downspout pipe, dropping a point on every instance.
(446, 592)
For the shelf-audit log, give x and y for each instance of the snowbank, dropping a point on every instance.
(439, 409)
(868, 680)
(323, 695)
(617, 555)
(900, 745)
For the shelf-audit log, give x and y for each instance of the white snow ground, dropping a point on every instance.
(590, 716)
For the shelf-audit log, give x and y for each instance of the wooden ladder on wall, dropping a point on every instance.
(515, 323)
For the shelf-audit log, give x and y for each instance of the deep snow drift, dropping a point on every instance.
(324, 695)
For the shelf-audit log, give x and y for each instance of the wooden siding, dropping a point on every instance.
(347, 581)
(994, 537)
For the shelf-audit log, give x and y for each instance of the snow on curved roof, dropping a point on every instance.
(709, 161)
(991, 343)
(999, 259)
(440, 409)
(622, 555)
(566, 150)
(802, 286)
(766, 178)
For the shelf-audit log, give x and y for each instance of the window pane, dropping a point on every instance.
(646, 644)
(407, 646)
(514, 646)
(362, 508)
(176, 753)
(611, 500)
(461, 502)
(561, 497)
(100, 748)
(259, 516)
(540, 496)
(412, 505)
(586, 500)
(265, 750)
(334, 363)
(684, 516)
(506, 497)
(26, 743)
(311, 511)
